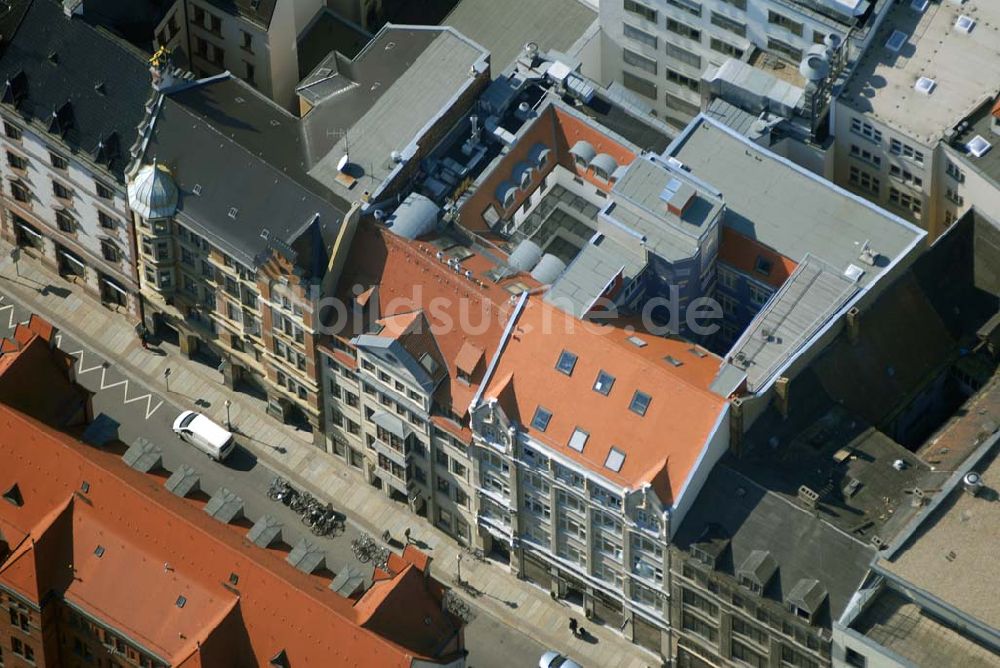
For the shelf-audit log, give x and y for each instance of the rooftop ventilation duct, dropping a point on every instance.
(526, 256)
(548, 269)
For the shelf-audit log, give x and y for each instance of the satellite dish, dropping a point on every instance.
(342, 163)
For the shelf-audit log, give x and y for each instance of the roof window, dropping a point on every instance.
(763, 265)
(99, 551)
(673, 361)
(924, 85)
(13, 495)
(540, 421)
(604, 382)
(965, 24)
(429, 363)
(578, 440)
(636, 341)
(896, 41)
(233, 212)
(919, 5)
(640, 403)
(978, 146)
(566, 362)
(615, 460)
(181, 601)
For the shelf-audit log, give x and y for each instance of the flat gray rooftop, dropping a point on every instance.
(902, 626)
(588, 275)
(808, 299)
(953, 553)
(399, 83)
(504, 27)
(962, 65)
(787, 208)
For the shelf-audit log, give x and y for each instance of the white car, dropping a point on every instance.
(202, 433)
(556, 660)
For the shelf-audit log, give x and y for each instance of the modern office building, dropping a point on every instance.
(73, 95)
(904, 122)
(659, 49)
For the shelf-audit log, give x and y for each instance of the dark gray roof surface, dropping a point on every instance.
(635, 125)
(52, 60)
(802, 545)
(243, 153)
(325, 33)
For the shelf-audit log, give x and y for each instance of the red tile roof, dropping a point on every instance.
(742, 253)
(675, 428)
(165, 547)
(412, 280)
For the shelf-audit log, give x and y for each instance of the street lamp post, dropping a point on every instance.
(166, 377)
(229, 422)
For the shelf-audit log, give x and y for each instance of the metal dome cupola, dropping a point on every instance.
(152, 193)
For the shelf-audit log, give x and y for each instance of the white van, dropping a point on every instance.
(205, 435)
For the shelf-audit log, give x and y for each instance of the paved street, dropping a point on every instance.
(515, 621)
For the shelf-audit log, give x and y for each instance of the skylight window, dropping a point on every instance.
(540, 421)
(604, 382)
(670, 359)
(566, 362)
(181, 601)
(896, 41)
(978, 146)
(640, 402)
(578, 440)
(637, 342)
(615, 460)
(233, 212)
(965, 24)
(924, 85)
(429, 363)
(919, 5)
(99, 551)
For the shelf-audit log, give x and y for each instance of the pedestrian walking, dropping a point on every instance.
(573, 625)
(406, 534)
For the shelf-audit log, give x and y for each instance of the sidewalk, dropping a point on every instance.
(514, 602)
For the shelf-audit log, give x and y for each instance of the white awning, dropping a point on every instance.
(114, 286)
(29, 230)
(72, 258)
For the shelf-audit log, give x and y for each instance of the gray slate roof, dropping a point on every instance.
(51, 61)
(219, 136)
(802, 545)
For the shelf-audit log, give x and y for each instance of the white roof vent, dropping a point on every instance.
(965, 24)
(896, 41)
(919, 5)
(978, 146)
(854, 272)
(924, 85)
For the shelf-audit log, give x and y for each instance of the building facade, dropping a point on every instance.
(66, 139)
(256, 41)
(910, 163)
(659, 49)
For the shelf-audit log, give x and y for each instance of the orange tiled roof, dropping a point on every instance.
(675, 428)
(741, 253)
(411, 279)
(996, 108)
(166, 547)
